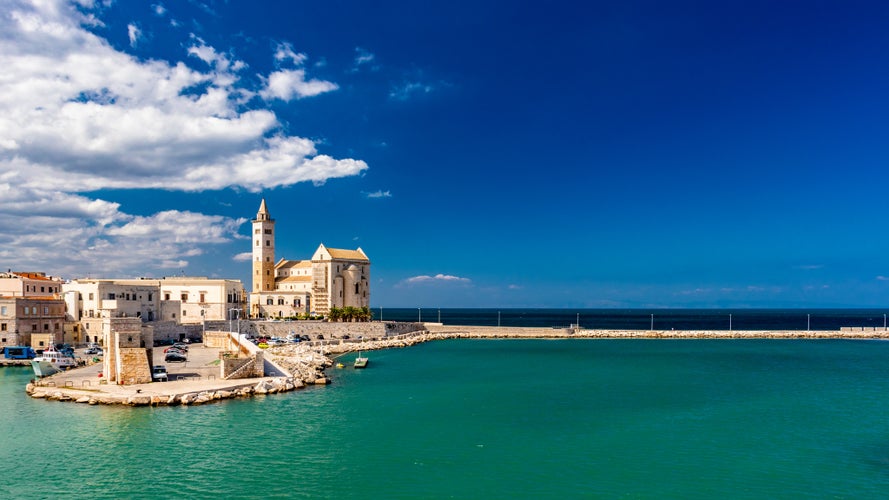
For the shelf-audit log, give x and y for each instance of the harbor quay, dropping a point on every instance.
(295, 366)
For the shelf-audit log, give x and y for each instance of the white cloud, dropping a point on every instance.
(285, 52)
(407, 90)
(135, 34)
(291, 83)
(159, 9)
(243, 257)
(363, 57)
(380, 194)
(79, 116)
(438, 278)
(882, 278)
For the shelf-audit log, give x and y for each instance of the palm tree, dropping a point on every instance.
(350, 313)
(366, 314)
(335, 314)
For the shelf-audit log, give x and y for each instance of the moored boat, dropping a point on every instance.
(360, 362)
(52, 361)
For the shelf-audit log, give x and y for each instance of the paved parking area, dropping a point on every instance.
(202, 362)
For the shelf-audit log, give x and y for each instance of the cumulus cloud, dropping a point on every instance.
(379, 194)
(78, 116)
(285, 52)
(438, 278)
(292, 83)
(243, 257)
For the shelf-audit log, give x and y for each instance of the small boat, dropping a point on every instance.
(51, 362)
(360, 362)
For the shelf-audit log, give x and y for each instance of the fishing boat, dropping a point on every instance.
(52, 361)
(360, 362)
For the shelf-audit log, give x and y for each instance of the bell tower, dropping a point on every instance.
(263, 250)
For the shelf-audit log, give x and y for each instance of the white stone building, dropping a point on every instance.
(183, 300)
(331, 278)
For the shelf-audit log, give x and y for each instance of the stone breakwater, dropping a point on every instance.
(441, 332)
(306, 362)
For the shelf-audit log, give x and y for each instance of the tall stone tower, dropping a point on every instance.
(263, 251)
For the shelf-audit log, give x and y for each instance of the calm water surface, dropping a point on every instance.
(491, 419)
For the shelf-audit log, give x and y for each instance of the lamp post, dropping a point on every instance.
(419, 315)
(498, 319)
(729, 322)
(652, 322)
(808, 322)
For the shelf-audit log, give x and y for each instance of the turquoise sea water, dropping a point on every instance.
(491, 419)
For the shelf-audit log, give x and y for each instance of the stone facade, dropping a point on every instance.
(288, 288)
(128, 351)
(22, 317)
(180, 300)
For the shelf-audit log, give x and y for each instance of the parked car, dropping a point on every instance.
(159, 373)
(176, 349)
(92, 350)
(175, 357)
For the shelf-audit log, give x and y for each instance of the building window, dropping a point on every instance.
(166, 296)
(91, 313)
(269, 301)
(3, 329)
(3, 310)
(45, 310)
(268, 243)
(34, 310)
(34, 329)
(203, 297)
(46, 327)
(42, 289)
(184, 297)
(149, 297)
(280, 301)
(56, 327)
(256, 231)
(257, 243)
(268, 231)
(91, 296)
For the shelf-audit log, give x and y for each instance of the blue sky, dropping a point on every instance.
(483, 153)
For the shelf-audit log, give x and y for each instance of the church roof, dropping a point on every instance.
(289, 264)
(338, 253)
(294, 279)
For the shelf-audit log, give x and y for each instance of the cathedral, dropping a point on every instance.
(331, 278)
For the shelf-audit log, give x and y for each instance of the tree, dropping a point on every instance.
(350, 313)
(335, 314)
